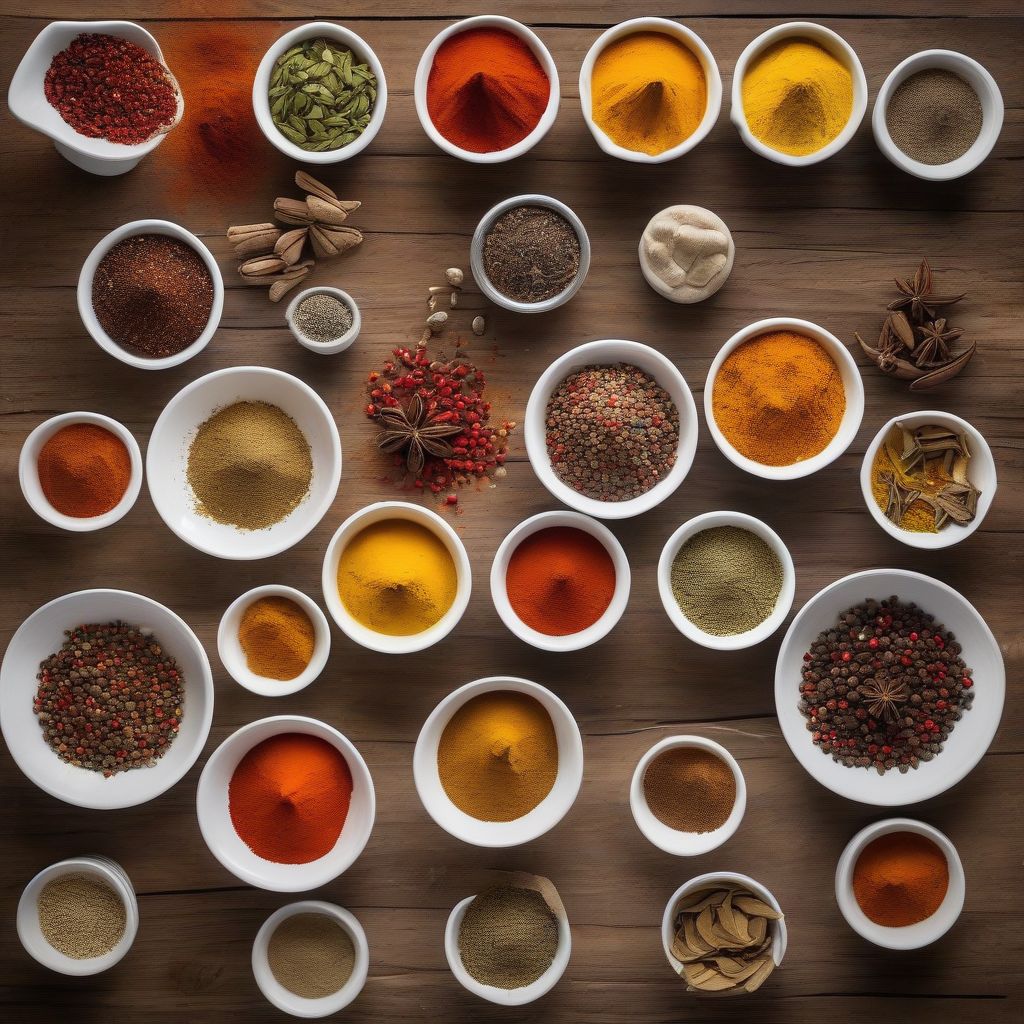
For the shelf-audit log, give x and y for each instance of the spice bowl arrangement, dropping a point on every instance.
(325, 320)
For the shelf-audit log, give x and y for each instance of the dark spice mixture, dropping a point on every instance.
(934, 116)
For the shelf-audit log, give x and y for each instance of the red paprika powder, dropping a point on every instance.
(84, 470)
(900, 879)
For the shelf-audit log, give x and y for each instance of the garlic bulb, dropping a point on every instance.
(686, 253)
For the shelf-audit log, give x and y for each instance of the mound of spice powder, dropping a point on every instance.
(900, 878)
(311, 955)
(934, 116)
(81, 915)
(277, 638)
(690, 789)
(84, 470)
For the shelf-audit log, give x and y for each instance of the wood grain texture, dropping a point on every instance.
(821, 243)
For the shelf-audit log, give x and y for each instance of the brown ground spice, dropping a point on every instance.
(81, 916)
(311, 955)
(690, 789)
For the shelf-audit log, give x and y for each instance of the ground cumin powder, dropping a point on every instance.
(690, 789)
(277, 638)
(81, 916)
(311, 955)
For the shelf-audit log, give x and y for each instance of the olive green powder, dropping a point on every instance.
(81, 916)
(311, 955)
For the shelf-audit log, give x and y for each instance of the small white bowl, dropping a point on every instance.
(288, 1001)
(233, 657)
(31, 934)
(540, 51)
(88, 272)
(28, 472)
(499, 834)
(571, 641)
(325, 348)
(685, 844)
(176, 427)
(840, 49)
(382, 511)
(690, 629)
(694, 44)
(967, 743)
(28, 103)
(912, 936)
(991, 111)
(492, 993)
(227, 846)
(981, 472)
(607, 353)
(261, 84)
(39, 636)
(853, 386)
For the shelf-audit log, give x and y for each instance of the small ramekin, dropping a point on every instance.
(261, 85)
(840, 49)
(540, 51)
(694, 44)
(325, 348)
(912, 936)
(28, 472)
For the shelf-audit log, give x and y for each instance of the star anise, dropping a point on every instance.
(884, 697)
(916, 295)
(417, 431)
(935, 339)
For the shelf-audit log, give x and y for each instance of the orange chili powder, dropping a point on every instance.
(900, 878)
(84, 470)
(289, 797)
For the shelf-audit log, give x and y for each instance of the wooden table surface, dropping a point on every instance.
(822, 243)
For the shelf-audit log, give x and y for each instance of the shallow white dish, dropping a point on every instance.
(288, 1001)
(540, 51)
(911, 936)
(981, 472)
(176, 427)
(325, 348)
(261, 84)
(88, 315)
(548, 813)
(694, 44)
(606, 353)
(39, 636)
(969, 739)
(28, 472)
(227, 846)
(853, 386)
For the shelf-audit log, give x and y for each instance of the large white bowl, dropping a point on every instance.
(606, 353)
(227, 846)
(39, 636)
(175, 429)
(548, 813)
(970, 738)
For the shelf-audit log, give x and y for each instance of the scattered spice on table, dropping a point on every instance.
(531, 253)
(612, 432)
(560, 580)
(498, 756)
(249, 466)
(84, 470)
(110, 699)
(648, 92)
(289, 798)
(153, 295)
(486, 90)
(311, 955)
(81, 915)
(277, 638)
(323, 317)
(690, 789)
(934, 116)
(779, 398)
(884, 687)
(900, 879)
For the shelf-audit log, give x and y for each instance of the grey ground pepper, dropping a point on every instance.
(323, 317)
(934, 116)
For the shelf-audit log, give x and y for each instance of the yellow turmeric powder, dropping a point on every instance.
(498, 756)
(648, 92)
(277, 638)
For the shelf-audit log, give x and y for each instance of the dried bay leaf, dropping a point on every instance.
(752, 905)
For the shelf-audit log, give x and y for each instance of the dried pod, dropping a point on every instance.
(289, 246)
(292, 211)
(262, 266)
(340, 238)
(325, 211)
(943, 373)
(322, 245)
(256, 244)
(436, 321)
(479, 325)
(308, 183)
(454, 276)
(287, 282)
(239, 231)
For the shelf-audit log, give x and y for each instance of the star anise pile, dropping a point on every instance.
(416, 432)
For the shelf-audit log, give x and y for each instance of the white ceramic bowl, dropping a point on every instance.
(261, 84)
(981, 472)
(853, 386)
(606, 353)
(176, 427)
(92, 324)
(504, 996)
(690, 629)
(572, 641)
(325, 348)
(288, 1001)
(495, 834)
(476, 254)
(28, 472)
(230, 649)
(540, 51)
(31, 934)
(39, 636)
(28, 103)
(685, 844)
(227, 846)
(383, 642)
(969, 739)
(840, 49)
(991, 110)
(911, 936)
(694, 44)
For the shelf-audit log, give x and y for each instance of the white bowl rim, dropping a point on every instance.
(325, 347)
